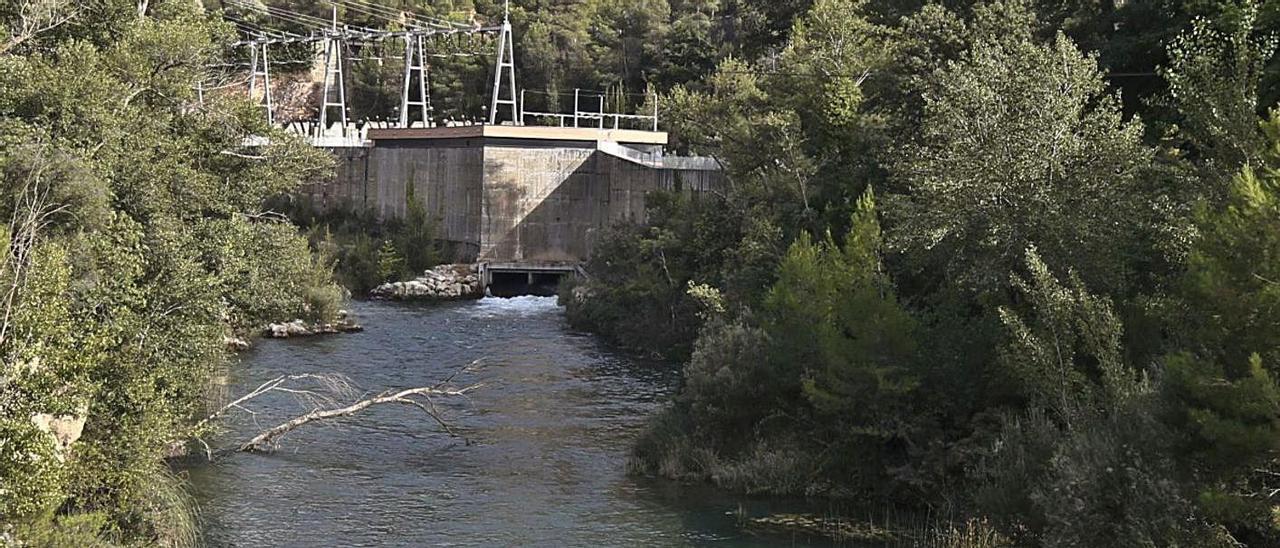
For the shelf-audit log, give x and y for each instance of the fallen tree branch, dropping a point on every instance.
(405, 397)
(322, 394)
(332, 383)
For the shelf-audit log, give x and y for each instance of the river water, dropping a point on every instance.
(543, 461)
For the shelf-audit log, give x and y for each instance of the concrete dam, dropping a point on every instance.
(518, 200)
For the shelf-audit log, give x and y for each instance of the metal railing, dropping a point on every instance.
(588, 118)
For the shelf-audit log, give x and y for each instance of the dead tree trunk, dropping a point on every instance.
(417, 397)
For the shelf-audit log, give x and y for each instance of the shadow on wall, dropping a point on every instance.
(563, 225)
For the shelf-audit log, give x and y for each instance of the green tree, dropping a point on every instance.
(841, 343)
(1065, 356)
(1011, 155)
(414, 236)
(138, 244)
(1214, 74)
(1221, 382)
(1230, 285)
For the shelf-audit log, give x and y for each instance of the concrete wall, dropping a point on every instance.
(444, 180)
(540, 203)
(501, 201)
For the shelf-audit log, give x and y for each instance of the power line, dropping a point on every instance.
(395, 15)
(254, 28)
(301, 19)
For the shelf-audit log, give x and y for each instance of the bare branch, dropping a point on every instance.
(36, 17)
(242, 156)
(320, 394)
(334, 384)
(401, 397)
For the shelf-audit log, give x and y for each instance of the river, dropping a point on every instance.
(548, 439)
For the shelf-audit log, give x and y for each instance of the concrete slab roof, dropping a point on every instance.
(628, 136)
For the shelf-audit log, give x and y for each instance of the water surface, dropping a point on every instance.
(543, 461)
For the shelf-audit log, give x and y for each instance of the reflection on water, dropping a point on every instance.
(549, 435)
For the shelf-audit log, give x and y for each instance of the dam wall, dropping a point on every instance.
(507, 199)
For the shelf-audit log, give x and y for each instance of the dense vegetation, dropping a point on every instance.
(1011, 258)
(623, 47)
(366, 251)
(136, 243)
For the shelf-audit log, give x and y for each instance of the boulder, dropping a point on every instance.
(235, 344)
(64, 429)
(444, 282)
(299, 328)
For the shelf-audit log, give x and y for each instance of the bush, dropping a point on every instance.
(775, 466)
(366, 252)
(667, 449)
(1110, 482)
(727, 379)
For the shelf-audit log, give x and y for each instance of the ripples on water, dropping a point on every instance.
(549, 436)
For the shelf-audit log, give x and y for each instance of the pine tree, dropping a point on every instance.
(1221, 387)
(866, 344)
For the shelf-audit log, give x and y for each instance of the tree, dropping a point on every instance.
(835, 61)
(1230, 287)
(1220, 381)
(1214, 77)
(1065, 356)
(137, 244)
(841, 342)
(867, 339)
(1014, 154)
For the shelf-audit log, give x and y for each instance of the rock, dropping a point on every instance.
(65, 429)
(444, 282)
(581, 294)
(299, 328)
(295, 328)
(347, 326)
(235, 344)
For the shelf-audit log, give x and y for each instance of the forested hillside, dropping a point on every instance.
(1011, 260)
(633, 46)
(620, 46)
(135, 246)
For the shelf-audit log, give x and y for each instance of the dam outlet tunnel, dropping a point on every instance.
(521, 280)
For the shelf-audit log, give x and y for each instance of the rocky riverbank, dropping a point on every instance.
(300, 328)
(443, 283)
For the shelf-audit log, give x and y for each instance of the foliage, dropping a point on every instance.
(1013, 155)
(1230, 284)
(1068, 331)
(833, 313)
(1086, 440)
(1067, 360)
(415, 235)
(832, 341)
(390, 263)
(366, 252)
(1214, 77)
(1220, 381)
(137, 243)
